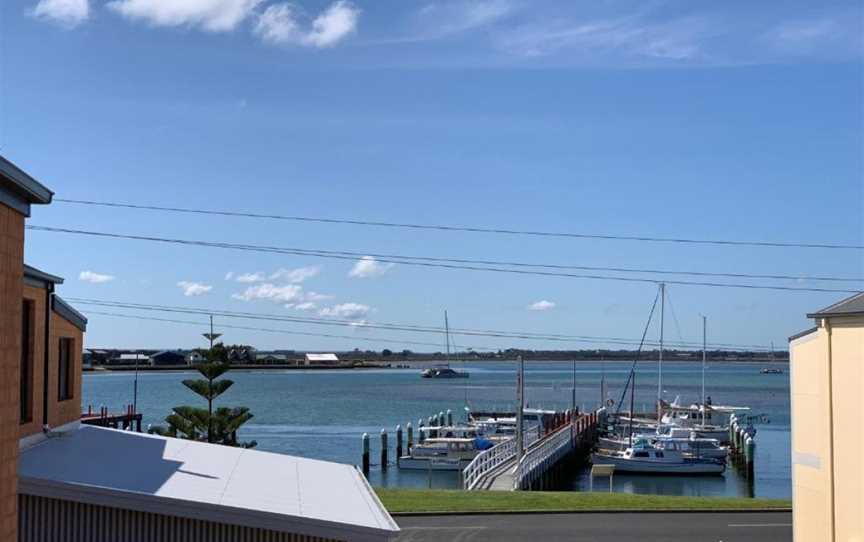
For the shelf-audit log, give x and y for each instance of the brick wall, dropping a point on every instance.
(63, 412)
(37, 297)
(11, 285)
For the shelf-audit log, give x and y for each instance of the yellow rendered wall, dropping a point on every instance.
(811, 457)
(847, 359)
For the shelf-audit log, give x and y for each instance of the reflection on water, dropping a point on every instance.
(321, 414)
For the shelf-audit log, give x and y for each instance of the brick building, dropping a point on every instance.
(18, 191)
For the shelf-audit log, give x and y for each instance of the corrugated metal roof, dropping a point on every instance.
(848, 307)
(206, 481)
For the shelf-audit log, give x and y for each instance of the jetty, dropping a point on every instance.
(126, 420)
(501, 468)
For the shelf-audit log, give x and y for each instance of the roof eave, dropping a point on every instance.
(19, 190)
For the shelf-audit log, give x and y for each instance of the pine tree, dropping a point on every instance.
(217, 426)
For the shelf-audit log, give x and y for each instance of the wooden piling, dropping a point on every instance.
(365, 439)
(383, 449)
(398, 443)
(410, 437)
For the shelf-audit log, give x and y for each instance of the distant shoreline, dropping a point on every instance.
(402, 364)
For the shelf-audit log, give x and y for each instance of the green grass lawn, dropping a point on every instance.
(421, 500)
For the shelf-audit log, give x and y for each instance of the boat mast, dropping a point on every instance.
(632, 397)
(660, 360)
(447, 337)
(704, 357)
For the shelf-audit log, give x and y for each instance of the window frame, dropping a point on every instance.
(27, 369)
(65, 390)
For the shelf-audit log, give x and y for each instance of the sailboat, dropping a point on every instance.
(444, 371)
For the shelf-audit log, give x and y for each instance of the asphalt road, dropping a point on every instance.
(653, 527)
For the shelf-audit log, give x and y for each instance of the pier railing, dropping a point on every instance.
(550, 449)
(490, 460)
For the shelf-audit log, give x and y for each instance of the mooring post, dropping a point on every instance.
(365, 439)
(449, 417)
(410, 429)
(398, 443)
(383, 449)
(441, 418)
(420, 436)
(749, 451)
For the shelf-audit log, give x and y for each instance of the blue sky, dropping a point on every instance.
(737, 120)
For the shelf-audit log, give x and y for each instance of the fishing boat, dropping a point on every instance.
(643, 457)
(771, 371)
(444, 453)
(444, 371)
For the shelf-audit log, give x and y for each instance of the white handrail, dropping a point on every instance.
(489, 460)
(562, 438)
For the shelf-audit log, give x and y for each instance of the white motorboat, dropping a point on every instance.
(690, 445)
(642, 457)
(444, 453)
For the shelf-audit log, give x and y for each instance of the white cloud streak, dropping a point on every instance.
(347, 311)
(368, 267)
(94, 278)
(193, 289)
(209, 15)
(280, 24)
(66, 13)
(542, 305)
(288, 293)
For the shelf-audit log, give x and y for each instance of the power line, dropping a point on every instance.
(390, 326)
(283, 331)
(421, 262)
(440, 227)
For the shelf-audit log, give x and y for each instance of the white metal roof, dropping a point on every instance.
(322, 357)
(183, 478)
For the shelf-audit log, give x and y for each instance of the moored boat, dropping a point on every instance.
(642, 457)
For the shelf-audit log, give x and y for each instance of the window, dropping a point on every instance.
(26, 374)
(640, 454)
(64, 390)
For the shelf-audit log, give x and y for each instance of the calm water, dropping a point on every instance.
(321, 414)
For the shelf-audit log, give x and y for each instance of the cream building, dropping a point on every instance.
(827, 386)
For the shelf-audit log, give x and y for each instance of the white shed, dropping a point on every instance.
(322, 359)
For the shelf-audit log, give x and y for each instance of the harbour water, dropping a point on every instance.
(321, 414)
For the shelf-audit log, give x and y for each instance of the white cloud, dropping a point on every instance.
(94, 278)
(542, 305)
(279, 24)
(447, 18)
(625, 37)
(289, 293)
(369, 267)
(67, 13)
(229, 275)
(191, 289)
(297, 275)
(306, 306)
(210, 15)
(250, 277)
(348, 311)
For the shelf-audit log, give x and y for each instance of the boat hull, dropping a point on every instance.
(686, 467)
(432, 463)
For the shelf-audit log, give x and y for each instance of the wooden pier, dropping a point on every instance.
(126, 420)
(499, 468)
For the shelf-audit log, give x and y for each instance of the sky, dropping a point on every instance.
(733, 120)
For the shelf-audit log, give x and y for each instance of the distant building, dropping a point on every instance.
(827, 376)
(271, 359)
(167, 357)
(194, 358)
(129, 359)
(322, 359)
(241, 355)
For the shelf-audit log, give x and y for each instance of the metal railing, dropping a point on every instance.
(549, 448)
(490, 460)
